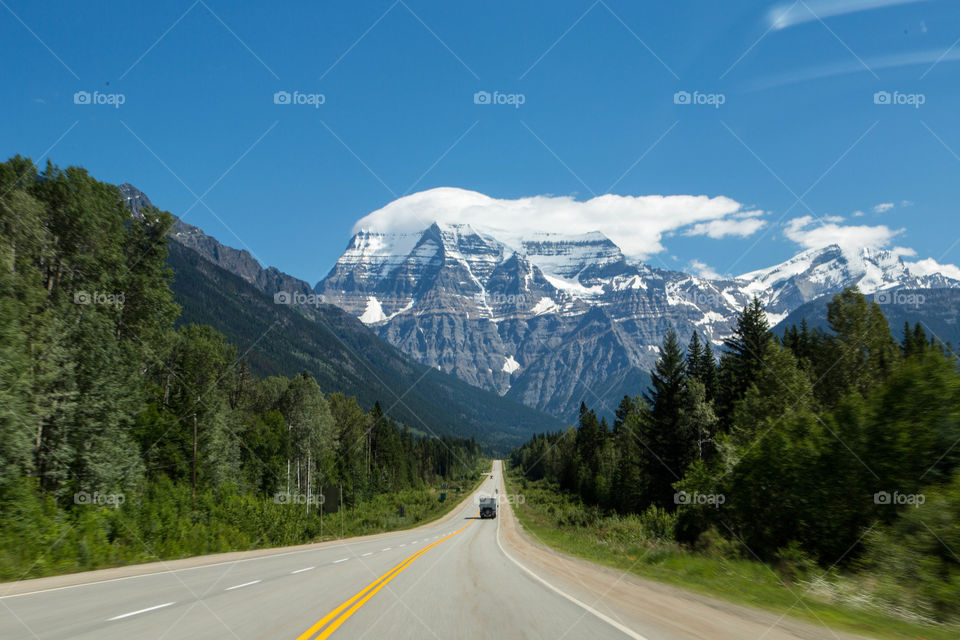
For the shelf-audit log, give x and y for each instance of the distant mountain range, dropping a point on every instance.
(937, 310)
(549, 319)
(228, 290)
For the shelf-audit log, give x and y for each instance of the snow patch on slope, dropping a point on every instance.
(373, 313)
(545, 305)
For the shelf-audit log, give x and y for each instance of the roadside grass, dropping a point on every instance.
(40, 538)
(561, 522)
(382, 514)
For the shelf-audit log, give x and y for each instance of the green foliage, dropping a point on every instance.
(124, 440)
(790, 460)
(917, 552)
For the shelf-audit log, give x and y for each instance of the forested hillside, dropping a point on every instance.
(825, 453)
(343, 355)
(123, 438)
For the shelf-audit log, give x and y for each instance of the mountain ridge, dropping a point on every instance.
(542, 316)
(549, 319)
(217, 285)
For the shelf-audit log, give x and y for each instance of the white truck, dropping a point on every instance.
(488, 507)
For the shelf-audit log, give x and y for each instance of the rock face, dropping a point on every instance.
(549, 319)
(135, 199)
(552, 320)
(227, 289)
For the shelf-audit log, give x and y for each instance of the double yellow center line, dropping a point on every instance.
(330, 622)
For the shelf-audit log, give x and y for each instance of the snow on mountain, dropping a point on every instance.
(817, 272)
(373, 313)
(443, 276)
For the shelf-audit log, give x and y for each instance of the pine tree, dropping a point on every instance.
(701, 365)
(669, 449)
(863, 350)
(629, 487)
(743, 358)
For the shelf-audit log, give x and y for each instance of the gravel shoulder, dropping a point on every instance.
(654, 609)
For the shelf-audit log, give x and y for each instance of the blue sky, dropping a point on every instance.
(799, 135)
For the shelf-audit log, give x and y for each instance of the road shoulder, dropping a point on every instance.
(646, 605)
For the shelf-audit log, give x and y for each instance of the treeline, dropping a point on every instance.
(835, 447)
(101, 398)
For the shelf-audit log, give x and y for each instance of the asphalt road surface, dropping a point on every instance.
(461, 577)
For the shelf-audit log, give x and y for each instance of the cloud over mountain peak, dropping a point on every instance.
(635, 223)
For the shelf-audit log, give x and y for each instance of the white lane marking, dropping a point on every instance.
(302, 570)
(240, 586)
(402, 545)
(367, 554)
(133, 613)
(627, 630)
(340, 560)
(387, 549)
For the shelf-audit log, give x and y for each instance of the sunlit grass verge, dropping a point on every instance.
(640, 544)
(41, 538)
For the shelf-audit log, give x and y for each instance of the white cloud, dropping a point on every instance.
(904, 252)
(704, 270)
(931, 266)
(787, 15)
(883, 207)
(724, 227)
(813, 234)
(636, 224)
(858, 214)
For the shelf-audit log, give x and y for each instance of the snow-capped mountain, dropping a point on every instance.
(546, 319)
(818, 272)
(551, 319)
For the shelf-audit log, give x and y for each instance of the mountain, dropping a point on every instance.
(226, 289)
(938, 310)
(817, 272)
(552, 319)
(544, 319)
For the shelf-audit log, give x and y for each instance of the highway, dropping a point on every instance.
(460, 577)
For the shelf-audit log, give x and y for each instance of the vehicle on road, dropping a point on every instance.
(488, 507)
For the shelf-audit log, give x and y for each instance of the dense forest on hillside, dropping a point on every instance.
(832, 449)
(123, 438)
(342, 354)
